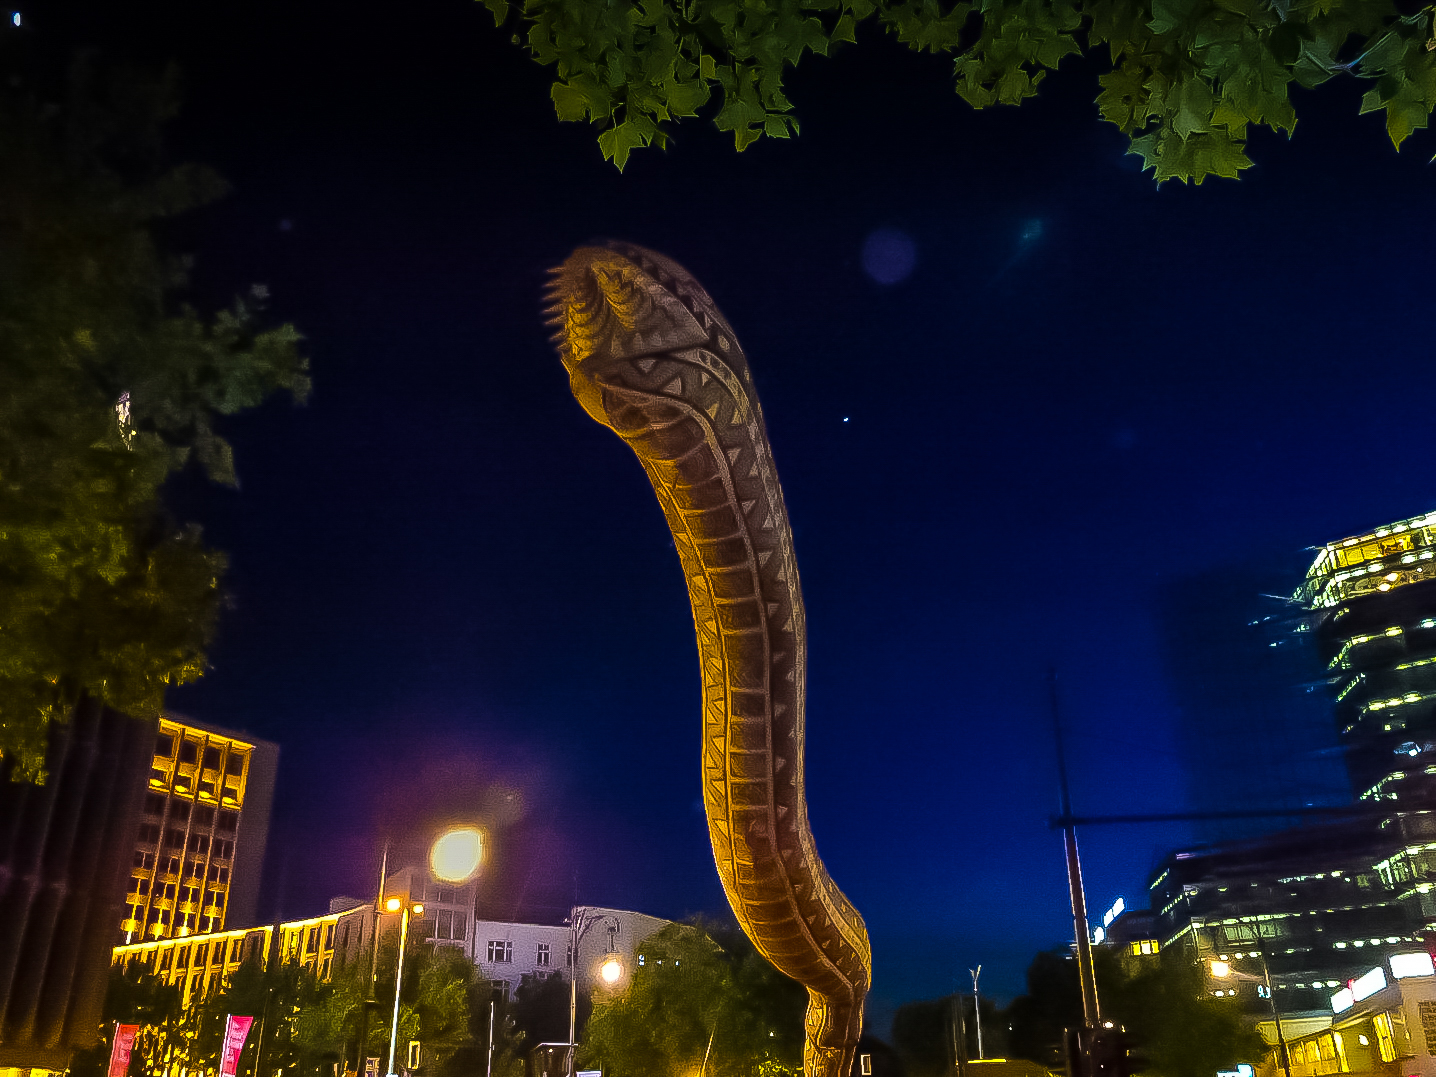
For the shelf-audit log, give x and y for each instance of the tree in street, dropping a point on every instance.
(539, 1010)
(109, 385)
(925, 1034)
(692, 1003)
(1163, 1002)
(436, 1006)
(1187, 78)
(135, 997)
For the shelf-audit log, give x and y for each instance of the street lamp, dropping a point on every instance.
(395, 904)
(1221, 969)
(610, 971)
(977, 1009)
(454, 858)
(456, 854)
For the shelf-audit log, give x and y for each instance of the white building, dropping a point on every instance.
(505, 952)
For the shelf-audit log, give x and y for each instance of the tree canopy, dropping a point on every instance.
(1187, 79)
(108, 386)
(309, 1024)
(1162, 1001)
(694, 1004)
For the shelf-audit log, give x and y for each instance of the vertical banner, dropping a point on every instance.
(236, 1029)
(120, 1048)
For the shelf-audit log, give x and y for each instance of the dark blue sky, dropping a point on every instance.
(453, 592)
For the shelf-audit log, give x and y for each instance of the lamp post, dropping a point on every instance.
(579, 922)
(977, 1009)
(370, 1002)
(1223, 970)
(454, 858)
(394, 904)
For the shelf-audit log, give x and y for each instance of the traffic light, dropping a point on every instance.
(1119, 1054)
(1106, 1051)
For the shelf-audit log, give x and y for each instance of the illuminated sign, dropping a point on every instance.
(1404, 965)
(1368, 984)
(1098, 935)
(1342, 1001)
(1114, 912)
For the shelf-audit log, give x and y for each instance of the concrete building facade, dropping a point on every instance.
(505, 953)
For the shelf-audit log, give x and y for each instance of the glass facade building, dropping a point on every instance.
(1372, 605)
(1315, 905)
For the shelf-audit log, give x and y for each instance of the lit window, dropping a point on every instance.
(1385, 1041)
(501, 951)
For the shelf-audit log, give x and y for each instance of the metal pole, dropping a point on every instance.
(977, 1010)
(960, 1022)
(1271, 998)
(1091, 1012)
(259, 1045)
(362, 1062)
(703, 1069)
(378, 911)
(489, 1071)
(572, 986)
(398, 982)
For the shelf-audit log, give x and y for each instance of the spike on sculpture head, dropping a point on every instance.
(619, 302)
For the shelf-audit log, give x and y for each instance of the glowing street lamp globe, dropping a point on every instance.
(611, 970)
(455, 857)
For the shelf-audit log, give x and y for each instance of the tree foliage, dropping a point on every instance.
(1188, 78)
(306, 1024)
(692, 999)
(135, 996)
(108, 386)
(539, 1010)
(926, 1033)
(1164, 1002)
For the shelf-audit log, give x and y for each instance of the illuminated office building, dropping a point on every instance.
(1372, 614)
(1314, 906)
(202, 834)
(200, 965)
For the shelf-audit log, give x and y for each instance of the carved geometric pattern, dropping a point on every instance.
(650, 356)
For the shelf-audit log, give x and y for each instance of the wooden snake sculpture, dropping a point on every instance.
(650, 357)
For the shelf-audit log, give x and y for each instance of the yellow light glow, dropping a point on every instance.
(611, 970)
(393, 905)
(1221, 969)
(418, 910)
(456, 855)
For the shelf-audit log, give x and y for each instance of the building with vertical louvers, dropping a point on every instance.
(200, 846)
(64, 853)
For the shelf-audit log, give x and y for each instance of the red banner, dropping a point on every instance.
(120, 1048)
(236, 1030)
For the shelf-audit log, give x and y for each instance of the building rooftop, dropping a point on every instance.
(1381, 560)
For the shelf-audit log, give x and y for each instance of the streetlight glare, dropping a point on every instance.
(1221, 969)
(611, 970)
(455, 857)
(392, 905)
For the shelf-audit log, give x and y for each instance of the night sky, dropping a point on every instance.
(1088, 429)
